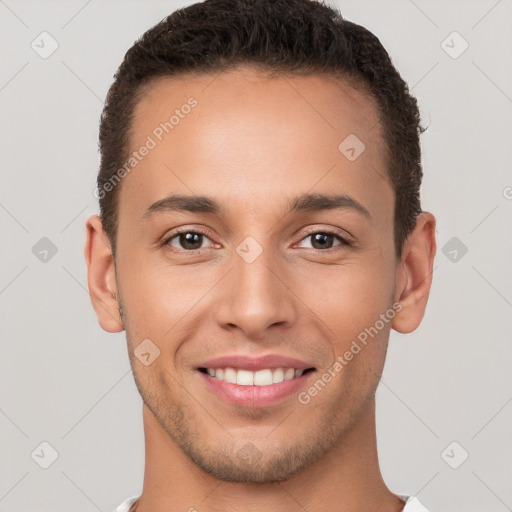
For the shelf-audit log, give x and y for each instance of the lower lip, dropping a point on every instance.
(255, 396)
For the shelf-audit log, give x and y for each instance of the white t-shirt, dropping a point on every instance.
(411, 504)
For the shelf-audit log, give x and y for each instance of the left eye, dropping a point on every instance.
(324, 240)
(189, 240)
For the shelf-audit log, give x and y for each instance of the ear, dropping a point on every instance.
(101, 277)
(414, 274)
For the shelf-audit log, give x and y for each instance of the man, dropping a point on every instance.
(260, 234)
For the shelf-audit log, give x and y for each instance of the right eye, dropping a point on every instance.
(187, 239)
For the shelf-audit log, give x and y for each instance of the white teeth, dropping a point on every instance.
(278, 376)
(229, 375)
(244, 378)
(289, 374)
(263, 377)
(260, 378)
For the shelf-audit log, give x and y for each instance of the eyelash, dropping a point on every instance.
(343, 241)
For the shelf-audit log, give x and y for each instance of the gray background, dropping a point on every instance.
(66, 382)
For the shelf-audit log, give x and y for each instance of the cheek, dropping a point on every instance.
(348, 298)
(159, 301)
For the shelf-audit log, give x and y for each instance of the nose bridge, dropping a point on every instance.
(255, 297)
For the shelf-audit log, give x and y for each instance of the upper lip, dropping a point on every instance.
(244, 362)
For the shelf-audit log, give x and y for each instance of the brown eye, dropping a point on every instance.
(187, 240)
(322, 240)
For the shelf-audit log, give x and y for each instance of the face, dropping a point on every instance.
(260, 274)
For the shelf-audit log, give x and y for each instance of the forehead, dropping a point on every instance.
(242, 136)
(248, 95)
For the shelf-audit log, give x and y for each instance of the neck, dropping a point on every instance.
(346, 479)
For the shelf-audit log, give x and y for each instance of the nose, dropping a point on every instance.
(256, 295)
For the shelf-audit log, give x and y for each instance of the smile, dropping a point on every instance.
(255, 389)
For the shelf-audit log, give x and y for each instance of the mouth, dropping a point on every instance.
(255, 382)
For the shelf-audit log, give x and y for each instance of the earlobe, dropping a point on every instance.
(414, 274)
(101, 277)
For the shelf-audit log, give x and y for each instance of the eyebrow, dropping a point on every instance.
(304, 202)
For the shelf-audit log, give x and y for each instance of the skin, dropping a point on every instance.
(253, 143)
